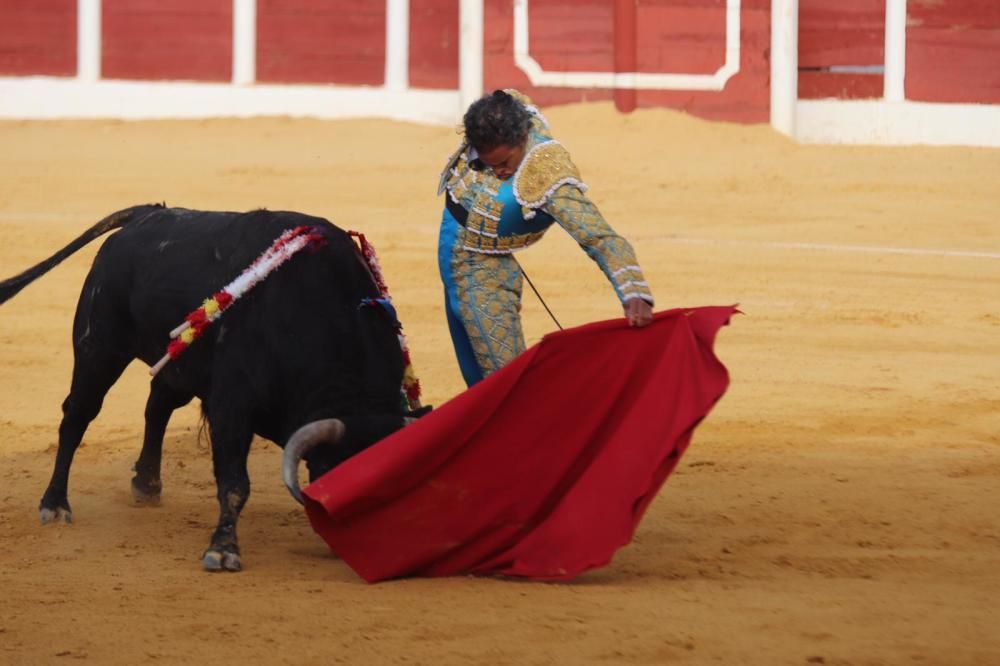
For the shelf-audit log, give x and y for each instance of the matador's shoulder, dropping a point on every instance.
(545, 168)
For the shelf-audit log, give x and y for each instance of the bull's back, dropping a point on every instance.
(165, 263)
(172, 241)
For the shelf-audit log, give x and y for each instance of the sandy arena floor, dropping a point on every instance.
(840, 505)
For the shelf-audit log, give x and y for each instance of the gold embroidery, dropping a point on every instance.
(503, 245)
(477, 193)
(446, 173)
(545, 167)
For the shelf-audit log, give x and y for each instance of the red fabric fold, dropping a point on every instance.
(542, 470)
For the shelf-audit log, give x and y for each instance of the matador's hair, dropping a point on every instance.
(496, 120)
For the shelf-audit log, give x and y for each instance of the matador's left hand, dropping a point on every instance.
(638, 312)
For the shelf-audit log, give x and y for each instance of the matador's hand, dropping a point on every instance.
(638, 312)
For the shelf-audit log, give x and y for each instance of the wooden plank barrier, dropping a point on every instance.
(38, 37)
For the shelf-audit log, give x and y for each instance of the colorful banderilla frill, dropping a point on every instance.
(287, 245)
(195, 323)
(411, 384)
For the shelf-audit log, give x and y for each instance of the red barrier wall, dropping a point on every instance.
(953, 47)
(564, 35)
(674, 36)
(848, 32)
(953, 51)
(167, 39)
(434, 44)
(321, 41)
(37, 37)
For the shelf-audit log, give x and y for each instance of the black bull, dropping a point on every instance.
(298, 360)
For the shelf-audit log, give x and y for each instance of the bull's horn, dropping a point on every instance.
(302, 441)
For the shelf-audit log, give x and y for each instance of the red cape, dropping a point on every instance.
(543, 469)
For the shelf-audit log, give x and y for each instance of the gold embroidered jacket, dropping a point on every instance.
(504, 216)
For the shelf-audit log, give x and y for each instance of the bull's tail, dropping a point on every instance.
(11, 286)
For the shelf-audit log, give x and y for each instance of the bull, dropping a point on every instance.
(304, 360)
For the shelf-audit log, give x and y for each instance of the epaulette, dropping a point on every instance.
(545, 168)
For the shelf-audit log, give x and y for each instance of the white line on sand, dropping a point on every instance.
(824, 246)
(64, 217)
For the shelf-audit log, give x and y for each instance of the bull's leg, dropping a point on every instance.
(94, 373)
(162, 402)
(231, 439)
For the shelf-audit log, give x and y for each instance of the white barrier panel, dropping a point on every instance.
(244, 42)
(470, 52)
(897, 123)
(895, 51)
(88, 40)
(397, 44)
(48, 98)
(784, 64)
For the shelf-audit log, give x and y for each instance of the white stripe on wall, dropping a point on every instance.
(88, 40)
(784, 64)
(470, 53)
(397, 44)
(244, 42)
(894, 89)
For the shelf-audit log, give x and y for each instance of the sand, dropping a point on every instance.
(839, 506)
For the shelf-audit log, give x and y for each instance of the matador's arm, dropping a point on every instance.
(578, 215)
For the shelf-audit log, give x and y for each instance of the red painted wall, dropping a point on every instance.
(847, 32)
(321, 41)
(167, 39)
(37, 37)
(674, 36)
(953, 51)
(563, 35)
(694, 41)
(434, 44)
(953, 47)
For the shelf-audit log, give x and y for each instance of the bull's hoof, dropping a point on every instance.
(218, 560)
(146, 493)
(58, 514)
(54, 507)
